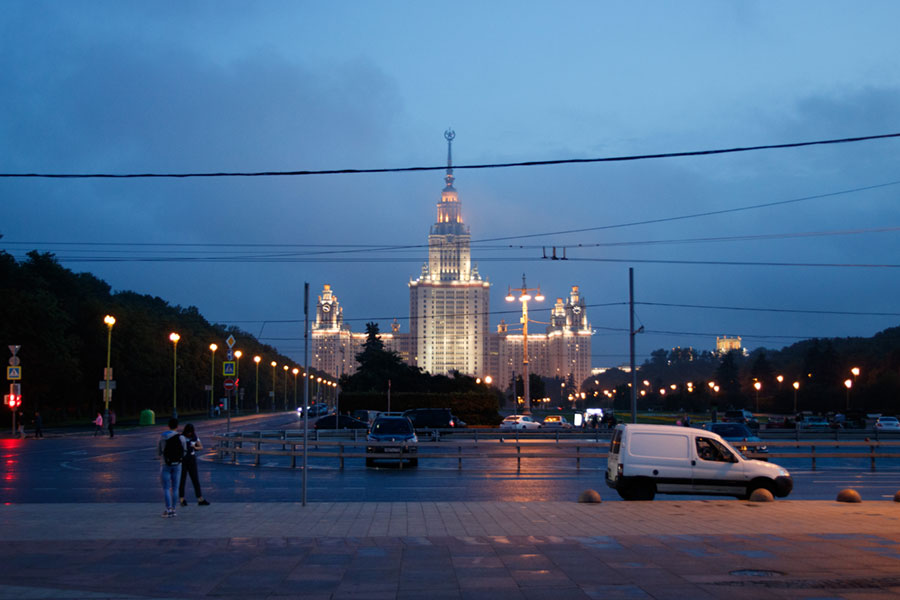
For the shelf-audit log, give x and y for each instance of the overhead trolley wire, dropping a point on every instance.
(530, 163)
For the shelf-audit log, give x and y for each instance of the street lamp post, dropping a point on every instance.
(174, 337)
(212, 376)
(757, 386)
(286, 369)
(318, 390)
(237, 380)
(796, 386)
(274, 364)
(256, 359)
(295, 371)
(107, 374)
(524, 297)
(848, 383)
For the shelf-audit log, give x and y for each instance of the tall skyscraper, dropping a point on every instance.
(449, 310)
(449, 301)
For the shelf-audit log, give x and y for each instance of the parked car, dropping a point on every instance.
(365, 415)
(741, 416)
(519, 422)
(739, 436)
(433, 418)
(645, 460)
(340, 422)
(815, 423)
(887, 424)
(556, 422)
(392, 438)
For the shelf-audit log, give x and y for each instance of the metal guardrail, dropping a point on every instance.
(500, 446)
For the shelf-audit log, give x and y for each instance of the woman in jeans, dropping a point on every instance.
(189, 465)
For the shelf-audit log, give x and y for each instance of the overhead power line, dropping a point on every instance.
(775, 310)
(530, 163)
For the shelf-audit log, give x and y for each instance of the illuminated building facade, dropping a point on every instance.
(448, 302)
(449, 309)
(564, 349)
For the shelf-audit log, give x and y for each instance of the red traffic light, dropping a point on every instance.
(12, 400)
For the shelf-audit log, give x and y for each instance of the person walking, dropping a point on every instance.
(98, 424)
(171, 449)
(189, 466)
(38, 425)
(112, 423)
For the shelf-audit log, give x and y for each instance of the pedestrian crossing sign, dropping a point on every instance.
(228, 368)
(13, 373)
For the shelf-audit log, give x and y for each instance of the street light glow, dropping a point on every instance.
(213, 347)
(109, 320)
(848, 383)
(256, 359)
(174, 337)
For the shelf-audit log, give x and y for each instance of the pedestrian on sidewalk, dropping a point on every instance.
(38, 425)
(171, 449)
(21, 426)
(189, 466)
(112, 423)
(98, 424)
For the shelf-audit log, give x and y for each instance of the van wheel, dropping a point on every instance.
(758, 484)
(643, 489)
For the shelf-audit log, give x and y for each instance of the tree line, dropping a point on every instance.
(831, 374)
(56, 316)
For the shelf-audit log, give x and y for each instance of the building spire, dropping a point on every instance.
(449, 135)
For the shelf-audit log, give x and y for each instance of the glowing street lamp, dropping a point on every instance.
(524, 297)
(212, 377)
(256, 359)
(174, 337)
(296, 372)
(757, 386)
(848, 383)
(488, 379)
(796, 386)
(107, 374)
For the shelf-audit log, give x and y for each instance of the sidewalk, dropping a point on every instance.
(496, 550)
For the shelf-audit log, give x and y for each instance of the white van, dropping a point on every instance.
(648, 459)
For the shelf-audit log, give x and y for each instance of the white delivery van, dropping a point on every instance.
(648, 459)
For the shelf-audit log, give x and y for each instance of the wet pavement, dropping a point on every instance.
(436, 550)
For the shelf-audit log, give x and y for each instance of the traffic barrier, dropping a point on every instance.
(524, 447)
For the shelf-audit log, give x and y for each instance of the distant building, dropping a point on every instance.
(726, 344)
(449, 305)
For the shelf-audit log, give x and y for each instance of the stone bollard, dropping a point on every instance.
(761, 495)
(590, 497)
(848, 495)
(897, 497)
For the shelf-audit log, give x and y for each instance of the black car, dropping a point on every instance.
(433, 418)
(340, 422)
(392, 438)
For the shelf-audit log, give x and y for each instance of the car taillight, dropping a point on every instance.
(451, 423)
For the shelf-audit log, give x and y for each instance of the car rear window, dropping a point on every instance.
(392, 426)
(616, 442)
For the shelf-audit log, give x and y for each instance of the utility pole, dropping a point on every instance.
(632, 333)
(305, 383)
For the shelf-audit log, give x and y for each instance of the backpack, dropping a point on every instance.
(173, 451)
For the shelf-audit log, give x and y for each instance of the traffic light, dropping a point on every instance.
(12, 400)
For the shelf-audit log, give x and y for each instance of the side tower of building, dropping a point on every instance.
(449, 301)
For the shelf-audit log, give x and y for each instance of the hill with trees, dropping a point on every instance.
(56, 316)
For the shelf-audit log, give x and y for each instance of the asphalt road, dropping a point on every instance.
(82, 468)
